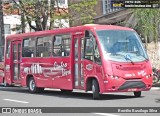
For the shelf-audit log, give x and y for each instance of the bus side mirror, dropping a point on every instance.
(143, 40)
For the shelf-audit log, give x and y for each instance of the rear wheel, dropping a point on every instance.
(137, 93)
(32, 86)
(95, 89)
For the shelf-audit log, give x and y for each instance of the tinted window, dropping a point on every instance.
(89, 45)
(28, 47)
(61, 45)
(44, 45)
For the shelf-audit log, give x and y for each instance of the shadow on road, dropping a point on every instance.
(74, 95)
(157, 100)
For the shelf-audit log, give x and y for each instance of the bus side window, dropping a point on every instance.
(28, 47)
(61, 45)
(44, 46)
(89, 45)
(97, 57)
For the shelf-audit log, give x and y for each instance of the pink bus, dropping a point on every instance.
(97, 58)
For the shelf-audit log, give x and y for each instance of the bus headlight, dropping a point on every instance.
(112, 77)
(148, 76)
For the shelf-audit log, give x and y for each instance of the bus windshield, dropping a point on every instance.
(121, 46)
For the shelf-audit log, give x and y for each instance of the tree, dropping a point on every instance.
(148, 23)
(82, 12)
(40, 12)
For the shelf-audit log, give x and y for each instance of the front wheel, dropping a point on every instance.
(95, 89)
(137, 93)
(155, 78)
(32, 86)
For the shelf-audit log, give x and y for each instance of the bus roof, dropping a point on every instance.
(70, 29)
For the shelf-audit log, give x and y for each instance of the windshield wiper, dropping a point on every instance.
(126, 58)
(143, 57)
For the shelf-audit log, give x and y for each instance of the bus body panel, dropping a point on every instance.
(48, 72)
(8, 71)
(133, 77)
(1, 72)
(93, 70)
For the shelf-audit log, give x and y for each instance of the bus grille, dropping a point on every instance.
(132, 84)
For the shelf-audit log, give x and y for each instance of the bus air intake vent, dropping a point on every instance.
(132, 84)
(132, 68)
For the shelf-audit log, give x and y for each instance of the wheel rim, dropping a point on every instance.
(32, 85)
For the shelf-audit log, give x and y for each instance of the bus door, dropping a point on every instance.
(15, 61)
(78, 62)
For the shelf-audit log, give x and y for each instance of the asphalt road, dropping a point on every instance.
(20, 97)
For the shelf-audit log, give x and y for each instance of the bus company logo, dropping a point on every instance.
(58, 68)
(142, 72)
(63, 67)
(35, 69)
(130, 75)
(89, 67)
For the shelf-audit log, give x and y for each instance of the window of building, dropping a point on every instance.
(61, 2)
(28, 48)
(61, 45)
(108, 8)
(18, 29)
(7, 29)
(44, 46)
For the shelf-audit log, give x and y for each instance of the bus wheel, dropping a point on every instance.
(95, 89)
(32, 86)
(137, 93)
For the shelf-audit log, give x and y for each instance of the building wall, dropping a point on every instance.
(10, 23)
(99, 8)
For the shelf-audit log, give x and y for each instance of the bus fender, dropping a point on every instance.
(27, 79)
(88, 83)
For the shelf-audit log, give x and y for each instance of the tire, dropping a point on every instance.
(137, 93)
(95, 89)
(155, 78)
(32, 86)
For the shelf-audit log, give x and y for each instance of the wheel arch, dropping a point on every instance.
(28, 78)
(89, 83)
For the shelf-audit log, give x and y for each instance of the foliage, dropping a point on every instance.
(148, 22)
(37, 13)
(42, 14)
(82, 11)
